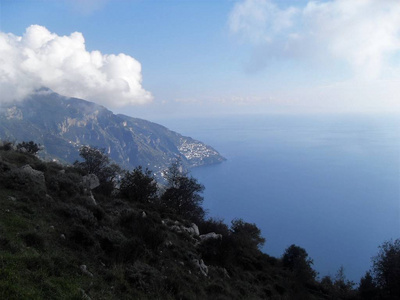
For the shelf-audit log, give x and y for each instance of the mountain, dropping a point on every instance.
(62, 125)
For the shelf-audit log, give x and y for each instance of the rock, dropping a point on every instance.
(34, 174)
(91, 181)
(144, 214)
(22, 150)
(210, 236)
(62, 236)
(178, 227)
(91, 197)
(201, 265)
(12, 198)
(84, 295)
(195, 229)
(226, 273)
(85, 270)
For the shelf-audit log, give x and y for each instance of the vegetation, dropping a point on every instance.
(135, 240)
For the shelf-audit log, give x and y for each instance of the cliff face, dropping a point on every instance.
(62, 125)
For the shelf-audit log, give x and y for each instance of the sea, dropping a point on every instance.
(327, 183)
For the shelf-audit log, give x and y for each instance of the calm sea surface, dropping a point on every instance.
(330, 184)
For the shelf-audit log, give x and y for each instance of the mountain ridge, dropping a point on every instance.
(63, 125)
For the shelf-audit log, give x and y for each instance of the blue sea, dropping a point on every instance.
(327, 183)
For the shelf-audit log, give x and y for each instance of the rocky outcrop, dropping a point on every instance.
(199, 263)
(37, 176)
(90, 181)
(210, 236)
(176, 226)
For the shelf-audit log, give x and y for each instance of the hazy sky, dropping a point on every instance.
(164, 58)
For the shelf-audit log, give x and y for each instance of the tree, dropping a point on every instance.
(343, 287)
(386, 269)
(95, 160)
(98, 163)
(30, 147)
(247, 234)
(138, 185)
(183, 194)
(367, 287)
(296, 260)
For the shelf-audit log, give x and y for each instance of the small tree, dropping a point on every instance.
(343, 287)
(138, 185)
(95, 160)
(98, 163)
(247, 235)
(386, 268)
(367, 287)
(30, 147)
(296, 260)
(182, 194)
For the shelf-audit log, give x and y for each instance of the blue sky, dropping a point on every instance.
(206, 57)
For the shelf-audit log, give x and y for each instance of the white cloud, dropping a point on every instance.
(364, 34)
(43, 59)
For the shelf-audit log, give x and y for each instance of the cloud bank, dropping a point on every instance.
(43, 59)
(362, 34)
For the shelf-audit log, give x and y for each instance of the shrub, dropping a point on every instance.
(296, 260)
(64, 184)
(138, 185)
(182, 194)
(98, 163)
(33, 239)
(143, 228)
(7, 145)
(386, 268)
(247, 235)
(30, 147)
(214, 225)
(81, 236)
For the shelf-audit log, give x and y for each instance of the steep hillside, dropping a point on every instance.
(57, 241)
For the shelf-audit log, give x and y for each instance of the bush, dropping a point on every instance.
(296, 260)
(7, 145)
(214, 225)
(64, 184)
(81, 236)
(30, 147)
(139, 186)
(151, 234)
(98, 163)
(182, 195)
(248, 235)
(33, 239)
(386, 268)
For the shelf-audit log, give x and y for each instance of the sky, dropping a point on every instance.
(165, 58)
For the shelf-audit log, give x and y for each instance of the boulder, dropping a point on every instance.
(90, 181)
(195, 228)
(85, 271)
(210, 236)
(201, 266)
(37, 176)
